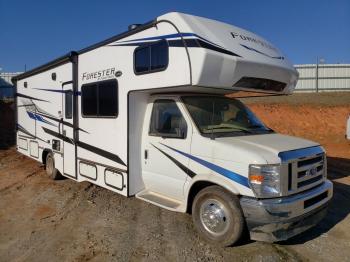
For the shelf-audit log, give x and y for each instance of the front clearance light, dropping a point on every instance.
(265, 180)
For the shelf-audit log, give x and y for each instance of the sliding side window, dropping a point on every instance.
(153, 57)
(100, 99)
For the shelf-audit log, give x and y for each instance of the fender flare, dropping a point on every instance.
(202, 181)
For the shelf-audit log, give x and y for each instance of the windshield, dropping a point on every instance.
(222, 116)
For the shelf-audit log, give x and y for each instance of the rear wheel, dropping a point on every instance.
(51, 171)
(217, 216)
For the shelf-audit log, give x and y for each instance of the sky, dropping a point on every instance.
(37, 31)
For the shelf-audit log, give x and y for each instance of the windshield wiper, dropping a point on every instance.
(234, 129)
(263, 128)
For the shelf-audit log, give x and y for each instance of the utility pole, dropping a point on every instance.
(316, 80)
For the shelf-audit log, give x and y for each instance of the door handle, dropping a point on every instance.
(146, 154)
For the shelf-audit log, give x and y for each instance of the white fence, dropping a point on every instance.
(323, 77)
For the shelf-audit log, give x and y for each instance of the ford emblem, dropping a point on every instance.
(312, 171)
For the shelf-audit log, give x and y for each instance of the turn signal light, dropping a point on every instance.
(258, 179)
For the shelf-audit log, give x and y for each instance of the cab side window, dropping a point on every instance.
(167, 120)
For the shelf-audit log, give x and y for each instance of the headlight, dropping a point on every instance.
(265, 180)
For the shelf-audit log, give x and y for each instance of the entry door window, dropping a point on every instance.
(68, 104)
(167, 120)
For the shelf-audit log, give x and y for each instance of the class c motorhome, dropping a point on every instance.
(145, 114)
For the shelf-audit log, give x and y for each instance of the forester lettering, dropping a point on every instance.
(254, 40)
(100, 75)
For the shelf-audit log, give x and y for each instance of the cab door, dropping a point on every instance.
(167, 131)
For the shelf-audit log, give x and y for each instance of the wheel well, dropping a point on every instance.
(44, 155)
(196, 187)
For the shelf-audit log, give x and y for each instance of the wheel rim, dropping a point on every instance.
(214, 217)
(49, 165)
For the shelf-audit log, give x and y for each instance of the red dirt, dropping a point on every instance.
(322, 124)
(43, 220)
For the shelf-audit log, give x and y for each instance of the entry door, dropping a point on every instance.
(68, 131)
(164, 169)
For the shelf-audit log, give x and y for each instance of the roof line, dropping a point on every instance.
(68, 57)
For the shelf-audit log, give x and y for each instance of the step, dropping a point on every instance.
(160, 200)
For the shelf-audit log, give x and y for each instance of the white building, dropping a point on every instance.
(323, 77)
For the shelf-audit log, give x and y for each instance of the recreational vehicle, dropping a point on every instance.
(146, 114)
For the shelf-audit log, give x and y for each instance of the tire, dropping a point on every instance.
(51, 171)
(217, 216)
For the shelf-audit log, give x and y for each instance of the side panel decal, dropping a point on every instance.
(222, 171)
(25, 131)
(189, 172)
(88, 147)
(195, 41)
(259, 52)
(30, 97)
(39, 118)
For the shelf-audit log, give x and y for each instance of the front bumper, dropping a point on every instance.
(278, 219)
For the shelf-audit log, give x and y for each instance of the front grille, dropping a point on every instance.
(315, 200)
(309, 181)
(305, 171)
(310, 161)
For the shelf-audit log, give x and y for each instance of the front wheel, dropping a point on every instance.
(217, 216)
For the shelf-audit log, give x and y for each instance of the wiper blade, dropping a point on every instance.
(244, 130)
(264, 128)
(220, 127)
(234, 129)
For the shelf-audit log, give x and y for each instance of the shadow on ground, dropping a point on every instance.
(7, 125)
(339, 208)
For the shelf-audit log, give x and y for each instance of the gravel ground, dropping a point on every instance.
(44, 220)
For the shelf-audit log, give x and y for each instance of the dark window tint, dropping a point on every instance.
(151, 58)
(69, 104)
(159, 55)
(167, 119)
(142, 60)
(89, 100)
(108, 97)
(100, 99)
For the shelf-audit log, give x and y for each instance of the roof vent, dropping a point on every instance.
(133, 26)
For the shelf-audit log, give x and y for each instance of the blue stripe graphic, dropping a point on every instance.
(31, 115)
(169, 36)
(39, 118)
(160, 37)
(222, 171)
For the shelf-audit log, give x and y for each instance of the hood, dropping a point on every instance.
(259, 146)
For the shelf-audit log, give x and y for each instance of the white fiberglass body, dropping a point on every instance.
(144, 114)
